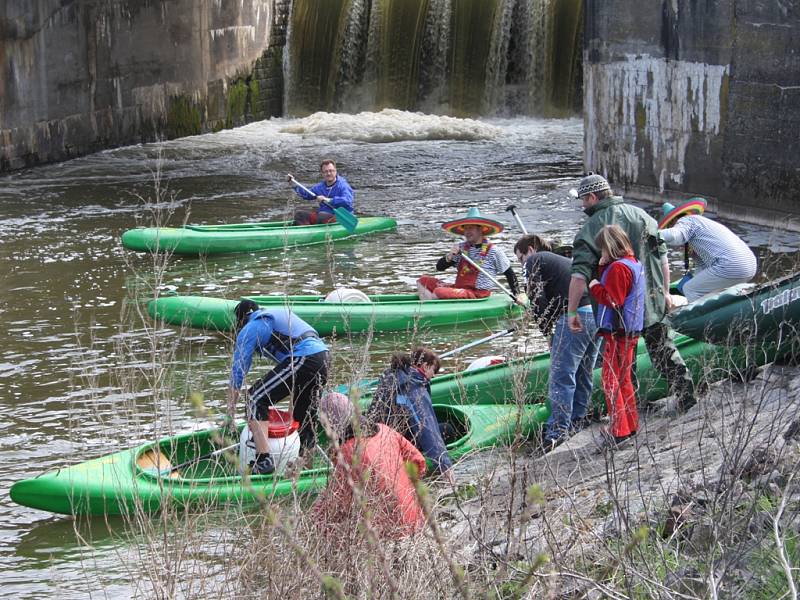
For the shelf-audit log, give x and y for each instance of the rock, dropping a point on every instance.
(686, 580)
(703, 537)
(792, 431)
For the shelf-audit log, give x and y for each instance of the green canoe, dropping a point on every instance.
(121, 483)
(745, 314)
(244, 237)
(483, 399)
(528, 377)
(388, 312)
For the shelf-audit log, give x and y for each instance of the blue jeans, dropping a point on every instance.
(572, 358)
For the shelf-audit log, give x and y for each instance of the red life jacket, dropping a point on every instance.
(467, 275)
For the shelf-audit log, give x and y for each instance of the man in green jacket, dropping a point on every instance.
(603, 208)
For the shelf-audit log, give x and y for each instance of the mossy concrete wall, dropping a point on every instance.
(80, 76)
(696, 97)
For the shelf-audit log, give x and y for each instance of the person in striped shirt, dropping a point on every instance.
(722, 259)
(470, 282)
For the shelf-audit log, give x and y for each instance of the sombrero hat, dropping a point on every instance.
(671, 213)
(489, 226)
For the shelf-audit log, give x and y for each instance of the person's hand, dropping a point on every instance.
(668, 301)
(574, 323)
(522, 299)
(456, 249)
(324, 199)
(289, 177)
(233, 396)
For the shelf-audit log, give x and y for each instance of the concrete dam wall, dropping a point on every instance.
(82, 75)
(680, 98)
(696, 97)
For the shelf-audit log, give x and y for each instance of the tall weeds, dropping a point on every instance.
(703, 505)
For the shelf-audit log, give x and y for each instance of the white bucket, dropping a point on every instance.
(283, 441)
(347, 295)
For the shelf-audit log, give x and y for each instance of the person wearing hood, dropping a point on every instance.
(301, 372)
(402, 401)
(370, 482)
(603, 208)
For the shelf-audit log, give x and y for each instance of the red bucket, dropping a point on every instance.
(281, 424)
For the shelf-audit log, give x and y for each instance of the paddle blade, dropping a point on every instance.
(346, 219)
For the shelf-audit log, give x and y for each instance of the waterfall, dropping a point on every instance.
(459, 57)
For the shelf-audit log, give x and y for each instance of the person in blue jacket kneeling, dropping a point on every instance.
(301, 373)
(402, 401)
(332, 192)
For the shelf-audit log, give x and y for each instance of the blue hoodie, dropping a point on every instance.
(414, 396)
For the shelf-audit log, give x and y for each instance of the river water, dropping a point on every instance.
(77, 367)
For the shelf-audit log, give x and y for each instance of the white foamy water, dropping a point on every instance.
(390, 125)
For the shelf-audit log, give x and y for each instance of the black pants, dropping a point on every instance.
(300, 377)
(667, 360)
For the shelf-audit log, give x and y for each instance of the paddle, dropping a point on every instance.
(513, 210)
(477, 342)
(373, 382)
(197, 459)
(343, 216)
(563, 250)
(492, 279)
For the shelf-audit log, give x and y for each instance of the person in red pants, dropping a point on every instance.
(470, 283)
(620, 318)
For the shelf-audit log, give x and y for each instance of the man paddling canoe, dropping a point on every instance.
(301, 372)
(470, 283)
(332, 192)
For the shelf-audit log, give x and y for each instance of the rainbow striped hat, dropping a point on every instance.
(671, 213)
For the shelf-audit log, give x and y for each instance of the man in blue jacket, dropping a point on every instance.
(301, 372)
(331, 193)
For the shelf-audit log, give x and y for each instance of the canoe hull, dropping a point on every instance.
(396, 312)
(115, 484)
(767, 314)
(195, 240)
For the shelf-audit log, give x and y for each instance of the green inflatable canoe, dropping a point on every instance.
(197, 240)
(766, 314)
(483, 404)
(527, 378)
(388, 312)
(128, 481)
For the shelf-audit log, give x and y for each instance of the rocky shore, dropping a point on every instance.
(701, 504)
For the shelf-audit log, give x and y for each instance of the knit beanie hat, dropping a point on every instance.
(592, 183)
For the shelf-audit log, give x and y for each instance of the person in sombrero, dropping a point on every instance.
(470, 283)
(722, 258)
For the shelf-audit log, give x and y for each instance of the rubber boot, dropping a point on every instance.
(263, 464)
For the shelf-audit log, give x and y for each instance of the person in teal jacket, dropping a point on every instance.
(332, 192)
(603, 208)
